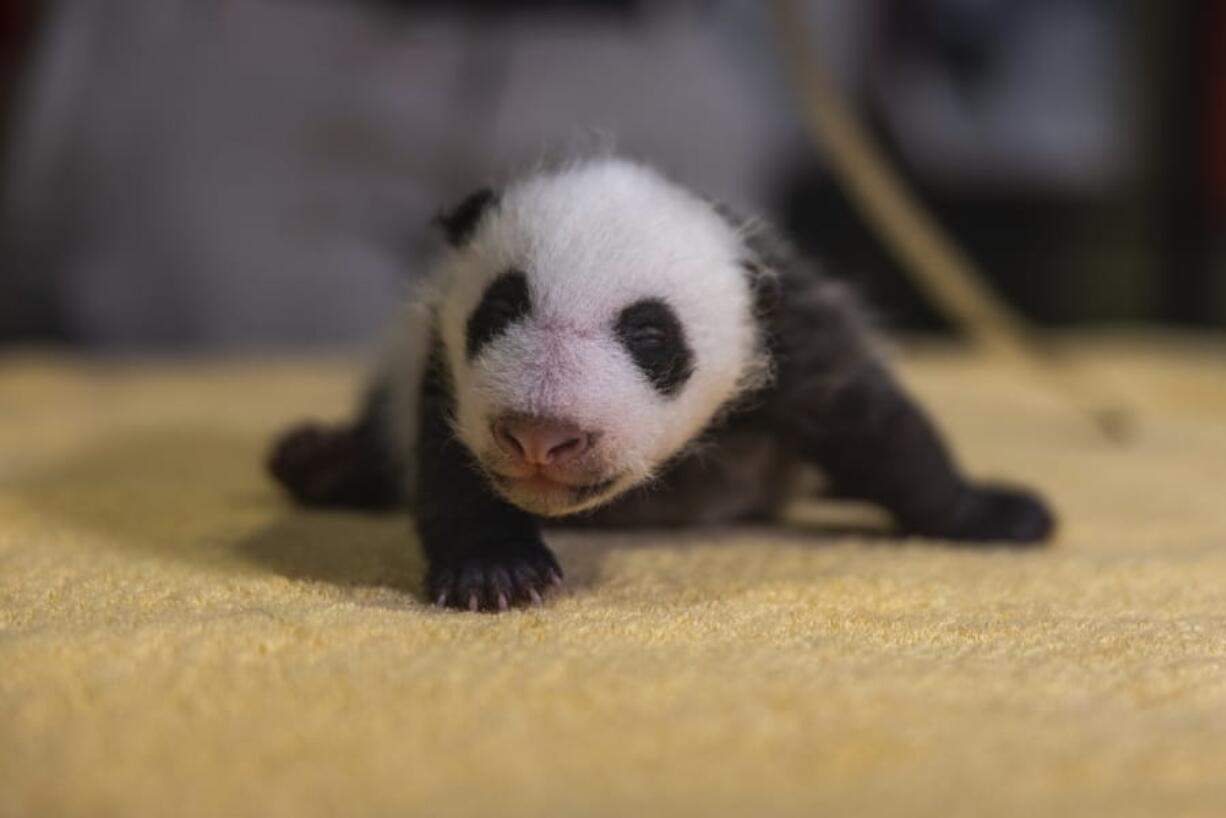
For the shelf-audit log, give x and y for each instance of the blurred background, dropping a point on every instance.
(261, 173)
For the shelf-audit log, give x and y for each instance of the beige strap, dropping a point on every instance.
(937, 265)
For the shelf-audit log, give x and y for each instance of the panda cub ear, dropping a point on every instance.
(459, 223)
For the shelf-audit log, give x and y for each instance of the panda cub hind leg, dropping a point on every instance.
(841, 409)
(337, 465)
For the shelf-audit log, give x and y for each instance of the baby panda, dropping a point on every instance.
(602, 345)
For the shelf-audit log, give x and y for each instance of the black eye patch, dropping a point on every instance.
(505, 301)
(652, 334)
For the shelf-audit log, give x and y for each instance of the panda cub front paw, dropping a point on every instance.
(495, 578)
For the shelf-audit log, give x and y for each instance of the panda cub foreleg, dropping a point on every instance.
(483, 553)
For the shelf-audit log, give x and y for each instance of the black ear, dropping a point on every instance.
(461, 222)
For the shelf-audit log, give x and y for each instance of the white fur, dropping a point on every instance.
(592, 238)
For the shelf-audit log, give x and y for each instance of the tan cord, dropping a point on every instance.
(938, 266)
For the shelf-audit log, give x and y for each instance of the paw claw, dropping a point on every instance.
(498, 579)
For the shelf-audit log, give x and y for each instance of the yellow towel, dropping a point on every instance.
(175, 640)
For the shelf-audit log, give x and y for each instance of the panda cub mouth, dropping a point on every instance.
(541, 493)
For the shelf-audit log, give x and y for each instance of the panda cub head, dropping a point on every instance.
(594, 319)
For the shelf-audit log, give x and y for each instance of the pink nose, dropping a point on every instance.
(540, 441)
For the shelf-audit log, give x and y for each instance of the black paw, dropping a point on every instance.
(330, 466)
(998, 514)
(495, 579)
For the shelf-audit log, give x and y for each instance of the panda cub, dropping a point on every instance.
(600, 342)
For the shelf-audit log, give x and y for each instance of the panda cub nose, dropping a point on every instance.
(541, 441)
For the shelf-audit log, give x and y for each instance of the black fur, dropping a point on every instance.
(838, 407)
(461, 222)
(652, 334)
(505, 301)
(339, 465)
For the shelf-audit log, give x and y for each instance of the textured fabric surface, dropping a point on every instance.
(176, 640)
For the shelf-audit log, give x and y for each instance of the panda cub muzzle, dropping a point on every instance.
(541, 442)
(546, 464)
